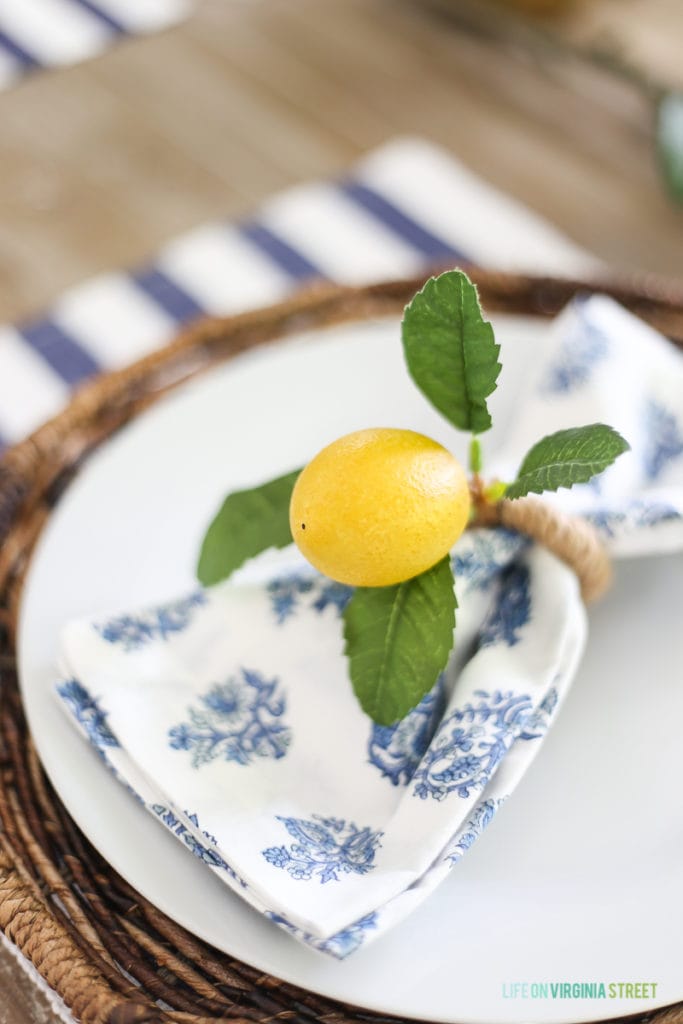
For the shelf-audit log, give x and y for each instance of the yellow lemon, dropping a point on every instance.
(379, 506)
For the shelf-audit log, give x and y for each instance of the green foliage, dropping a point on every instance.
(248, 523)
(450, 350)
(398, 640)
(669, 130)
(567, 457)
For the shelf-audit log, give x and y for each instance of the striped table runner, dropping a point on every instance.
(402, 208)
(38, 34)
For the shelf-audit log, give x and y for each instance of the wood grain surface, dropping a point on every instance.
(102, 163)
(21, 1002)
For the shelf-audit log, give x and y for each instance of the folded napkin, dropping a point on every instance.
(37, 34)
(229, 713)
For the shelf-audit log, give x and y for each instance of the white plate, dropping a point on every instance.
(580, 876)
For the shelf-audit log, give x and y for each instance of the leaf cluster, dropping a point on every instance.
(399, 638)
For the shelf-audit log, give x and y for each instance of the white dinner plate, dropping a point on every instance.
(580, 876)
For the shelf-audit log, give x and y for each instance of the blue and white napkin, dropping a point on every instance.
(229, 713)
(341, 831)
(36, 34)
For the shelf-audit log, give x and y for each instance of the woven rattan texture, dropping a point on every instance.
(60, 902)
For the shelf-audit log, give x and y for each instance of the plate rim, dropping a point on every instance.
(175, 383)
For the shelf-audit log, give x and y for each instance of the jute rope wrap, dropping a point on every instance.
(110, 954)
(574, 541)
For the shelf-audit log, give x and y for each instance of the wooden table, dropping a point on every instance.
(102, 163)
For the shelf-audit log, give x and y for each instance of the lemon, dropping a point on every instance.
(379, 506)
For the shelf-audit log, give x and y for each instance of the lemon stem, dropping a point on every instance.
(476, 483)
(475, 456)
(486, 501)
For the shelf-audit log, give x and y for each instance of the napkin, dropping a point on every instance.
(37, 34)
(228, 713)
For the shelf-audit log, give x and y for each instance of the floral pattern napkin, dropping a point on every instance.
(229, 715)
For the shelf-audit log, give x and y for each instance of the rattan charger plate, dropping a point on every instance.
(112, 956)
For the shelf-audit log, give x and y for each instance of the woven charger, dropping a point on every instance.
(60, 902)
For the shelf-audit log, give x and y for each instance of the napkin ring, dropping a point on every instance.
(572, 539)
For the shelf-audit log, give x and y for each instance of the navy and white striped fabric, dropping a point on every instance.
(38, 34)
(406, 206)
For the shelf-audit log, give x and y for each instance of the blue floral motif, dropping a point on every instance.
(398, 749)
(473, 828)
(470, 744)
(639, 513)
(203, 851)
(132, 632)
(664, 440)
(324, 848)
(332, 593)
(606, 520)
(286, 592)
(351, 938)
(511, 610)
(485, 555)
(580, 352)
(299, 933)
(237, 720)
(538, 722)
(340, 945)
(652, 513)
(88, 713)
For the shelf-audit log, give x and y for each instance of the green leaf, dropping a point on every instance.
(398, 640)
(567, 457)
(247, 523)
(450, 350)
(670, 141)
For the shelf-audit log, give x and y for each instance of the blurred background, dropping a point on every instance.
(560, 104)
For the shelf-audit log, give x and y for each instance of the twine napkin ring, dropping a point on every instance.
(572, 539)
